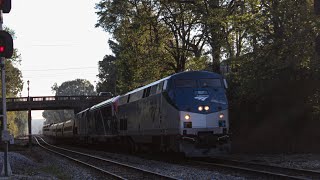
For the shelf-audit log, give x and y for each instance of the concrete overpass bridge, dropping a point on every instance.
(77, 103)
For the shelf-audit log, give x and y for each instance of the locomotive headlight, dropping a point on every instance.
(221, 116)
(200, 108)
(206, 108)
(187, 116)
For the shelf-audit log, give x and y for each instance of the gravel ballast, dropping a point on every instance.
(39, 164)
(36, 163)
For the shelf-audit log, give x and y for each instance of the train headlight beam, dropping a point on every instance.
(221, 116)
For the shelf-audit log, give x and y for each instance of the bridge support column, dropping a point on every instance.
(29, 127)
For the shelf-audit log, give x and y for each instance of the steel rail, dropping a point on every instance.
(114, 162)
(298, 171)
(81, 162)
(269, 170)
(250, 170)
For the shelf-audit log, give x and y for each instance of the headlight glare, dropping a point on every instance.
(200, 108)
(206, 108)
(221, 116)
(187, 116)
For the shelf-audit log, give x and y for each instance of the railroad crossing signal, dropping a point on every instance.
(5, 6)
(6, 44)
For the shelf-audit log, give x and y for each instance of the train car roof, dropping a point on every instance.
(104, 103)
(146, 86)
(83, 111)
(185, 74)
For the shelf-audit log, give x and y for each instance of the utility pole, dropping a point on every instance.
(29, 117)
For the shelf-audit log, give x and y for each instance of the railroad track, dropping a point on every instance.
(108, 167)
(274, 172)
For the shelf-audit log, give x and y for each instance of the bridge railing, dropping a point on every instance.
(54, 98)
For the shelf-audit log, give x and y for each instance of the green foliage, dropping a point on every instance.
(76, 87)
(283, 51)
(152, 39)
(107, 75)
(21, 121)
(260, 40)
(195, 64)
(14, 86)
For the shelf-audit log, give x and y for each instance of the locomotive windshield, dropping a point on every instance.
(210, 83)
(186, 83)
(203, 83)
(190, 93)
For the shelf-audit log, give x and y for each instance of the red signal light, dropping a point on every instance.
(2, 49)
(6, 44)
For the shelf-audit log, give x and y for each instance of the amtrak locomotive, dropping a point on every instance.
(186, 112)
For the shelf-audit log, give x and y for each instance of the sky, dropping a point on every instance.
(58, 42)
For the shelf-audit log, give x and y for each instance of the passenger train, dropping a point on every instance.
(186, 112)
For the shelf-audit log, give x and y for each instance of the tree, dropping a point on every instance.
(14, 85)
(151, 39)
(187, 40)
(76, 87)
(138, 44)
(272, 84)
(107, 75)
(21, 122)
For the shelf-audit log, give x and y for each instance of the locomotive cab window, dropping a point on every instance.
(182, 83)
(210, 83)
